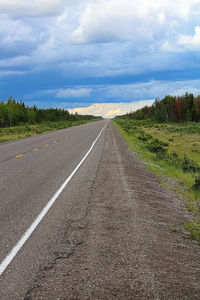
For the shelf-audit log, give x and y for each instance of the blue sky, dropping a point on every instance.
(74, 54)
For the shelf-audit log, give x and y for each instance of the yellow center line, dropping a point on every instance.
(20, 155)
(54, 142)
(36, 149)
(46, 145)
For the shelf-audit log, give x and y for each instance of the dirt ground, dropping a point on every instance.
(124, 247)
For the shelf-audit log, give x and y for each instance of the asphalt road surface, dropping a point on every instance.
(107, 236)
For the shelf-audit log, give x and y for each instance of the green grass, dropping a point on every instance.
(173, 229)
(172, 150)
(193, 228)
(23, 131)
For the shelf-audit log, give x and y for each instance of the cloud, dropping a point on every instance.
(110, 110)
(192, 42)
(184, 42)
(151, 89)
(167, 46)
(113, 112)
(33, 8)
(11, 73)
(16, 61)
(22, 35)
(74, 93)
(70, 92)
(106, 21)
(13, 32)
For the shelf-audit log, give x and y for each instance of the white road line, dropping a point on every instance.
(39, 218)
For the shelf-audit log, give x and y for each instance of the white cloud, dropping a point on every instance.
(184, 42)
(11, 73)
(105, 21)
(110, 110)
(167, 46)
(16, 61)
(114, 112)
(41, 39)
(33, 8)
(152, 89)
(14, 31)
(190, 41)
(186, 89)
(70, 93)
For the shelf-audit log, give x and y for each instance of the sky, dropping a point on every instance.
(104, 57)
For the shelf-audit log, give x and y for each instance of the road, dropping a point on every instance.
(107, 236)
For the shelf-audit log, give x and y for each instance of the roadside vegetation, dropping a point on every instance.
(169, 148)
(23, 131)
(20, 121)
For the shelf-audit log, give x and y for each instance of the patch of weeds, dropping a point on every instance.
(193, 228)
(171, 159)
(189, 165)
(173, 229)
(157, 146)
(144, 137)
(197, 183)
(27, 127)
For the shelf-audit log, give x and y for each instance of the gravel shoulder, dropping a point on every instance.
(124, 246)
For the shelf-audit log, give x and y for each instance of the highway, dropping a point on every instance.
(31, 171)
(106, 232)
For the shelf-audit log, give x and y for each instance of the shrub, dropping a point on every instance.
(157, 146)
(189, 165)
(197, 183)
(144, 136)
(27, 127)
(193, 228)
(173, 159)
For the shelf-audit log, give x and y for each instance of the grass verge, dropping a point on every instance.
(172, 150)
(24, 131)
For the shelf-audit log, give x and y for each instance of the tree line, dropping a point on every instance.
(15, 112)
(184, 108)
